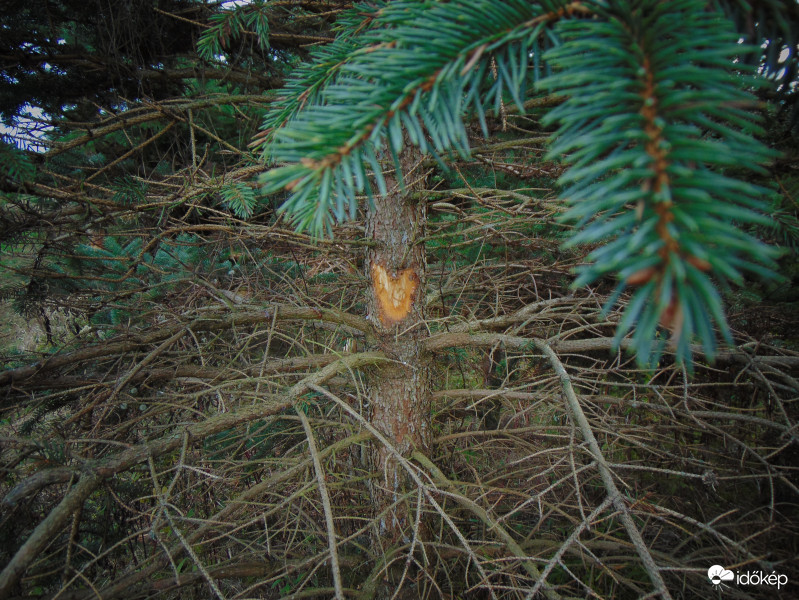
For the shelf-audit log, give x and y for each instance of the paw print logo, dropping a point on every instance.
(717, 574)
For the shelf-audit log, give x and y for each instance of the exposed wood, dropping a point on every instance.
(395, 293)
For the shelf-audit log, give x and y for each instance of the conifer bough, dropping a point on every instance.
(657, 129)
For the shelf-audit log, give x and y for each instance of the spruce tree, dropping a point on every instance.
(483, 366)
(658, 126)
(656, 118)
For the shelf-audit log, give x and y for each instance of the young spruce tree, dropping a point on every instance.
(657, 127)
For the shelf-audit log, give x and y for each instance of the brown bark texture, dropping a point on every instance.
(399, 392)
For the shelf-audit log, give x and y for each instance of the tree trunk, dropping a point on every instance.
(398, 394)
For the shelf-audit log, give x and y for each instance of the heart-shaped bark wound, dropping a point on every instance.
(394, 294)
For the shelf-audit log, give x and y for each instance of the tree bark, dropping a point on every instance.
(398, 393)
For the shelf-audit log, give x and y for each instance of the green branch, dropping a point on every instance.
(417, 70)
(655, 122)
